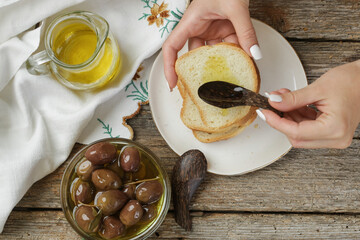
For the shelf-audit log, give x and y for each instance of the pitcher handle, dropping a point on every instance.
(37, 64)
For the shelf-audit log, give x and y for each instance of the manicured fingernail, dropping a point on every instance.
(267, 94)
(275, 98)
(260, 114)
(256, 52)
(167, 84)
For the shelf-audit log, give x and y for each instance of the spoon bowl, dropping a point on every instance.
(226, 95)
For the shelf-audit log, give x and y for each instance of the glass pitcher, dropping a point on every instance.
(80, 52)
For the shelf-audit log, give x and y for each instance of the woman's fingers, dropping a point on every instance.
(195, 42)
(239, 15)
(232, 38)
(302, 131)
(214, 41)
(288, 101)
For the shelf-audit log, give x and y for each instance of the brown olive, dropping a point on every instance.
(131, 213)
(149, 192)
(84, 169)
(84, 193)
(130, 159)
(150, 213)
(111, 227)
(101, 153)
(140, 174)
(129, 190)
(110, 201)
(85, 217)
(105, 179)
(116, 168)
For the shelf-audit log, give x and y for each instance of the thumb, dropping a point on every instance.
(245, 31)
(288, 101)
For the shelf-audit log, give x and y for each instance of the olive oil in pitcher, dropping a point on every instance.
(77, 44)
(80, 52)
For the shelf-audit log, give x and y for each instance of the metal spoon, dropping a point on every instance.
(225, 95)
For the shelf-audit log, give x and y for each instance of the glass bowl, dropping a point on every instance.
(162, 205)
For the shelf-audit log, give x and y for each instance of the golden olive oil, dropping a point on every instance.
(217, 69)
(76, 44)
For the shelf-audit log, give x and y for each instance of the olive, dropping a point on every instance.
(131, 213)
(84, 169)
(105, 179)
(150, 212)
(149, 192)
(130, 159)
(111, 227)
(116, 168)
(110, 201)
(101, 153)
(129, 190)
(85, 217)
(84, 193)
(140, 174)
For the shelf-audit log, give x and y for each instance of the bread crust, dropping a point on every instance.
(231, 128)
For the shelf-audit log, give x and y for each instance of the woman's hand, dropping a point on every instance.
(210, 22)
(336, 95)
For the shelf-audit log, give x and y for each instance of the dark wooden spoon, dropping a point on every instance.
(189, 171)
(225, 95)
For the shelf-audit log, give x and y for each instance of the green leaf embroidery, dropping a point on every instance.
(108, 129)
(138, 94)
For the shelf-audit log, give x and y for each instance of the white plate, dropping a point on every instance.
(258, 145)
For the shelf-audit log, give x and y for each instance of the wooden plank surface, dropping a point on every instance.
(308, 194)
(302, 181)
(310, 19)
(44, 225)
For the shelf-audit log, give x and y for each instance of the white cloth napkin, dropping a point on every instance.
(40, 119)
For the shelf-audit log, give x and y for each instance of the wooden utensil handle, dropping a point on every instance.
(260, 101)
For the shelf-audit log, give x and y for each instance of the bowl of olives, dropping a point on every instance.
(115, 189)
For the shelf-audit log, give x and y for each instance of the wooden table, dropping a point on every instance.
(306, 194)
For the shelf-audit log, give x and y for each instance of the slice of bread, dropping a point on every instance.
(207, 137)
(224, 62)
(190, 115)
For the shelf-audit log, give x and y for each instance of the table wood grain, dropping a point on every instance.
(307, 194)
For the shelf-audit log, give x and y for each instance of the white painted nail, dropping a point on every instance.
(275, 98)
(167, 84)
(267, 94)
(260, 114)
(256, 52)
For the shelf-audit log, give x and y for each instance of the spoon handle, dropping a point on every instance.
(257, 100)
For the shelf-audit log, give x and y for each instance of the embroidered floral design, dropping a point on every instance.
(108, 129)
(160, 15)
(137, 74)
(138, 94)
